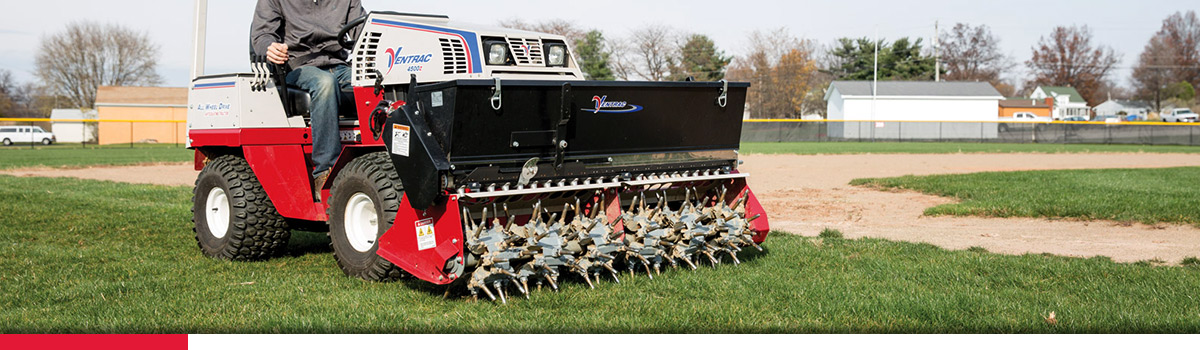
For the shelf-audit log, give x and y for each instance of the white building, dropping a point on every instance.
(859, 110)
(1067, 101)
(67, 127)
(1122, 108)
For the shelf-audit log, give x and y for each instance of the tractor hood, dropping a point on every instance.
(392, 47)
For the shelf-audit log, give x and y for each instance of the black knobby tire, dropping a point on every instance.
(47, 142)
(255, 230)
(374, 176)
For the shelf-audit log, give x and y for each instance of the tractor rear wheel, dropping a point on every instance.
(363, 202)
(232, 216)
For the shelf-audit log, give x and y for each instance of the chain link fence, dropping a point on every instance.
(86, 133)
(1139, 133)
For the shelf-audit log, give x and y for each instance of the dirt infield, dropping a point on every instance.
(804, 194)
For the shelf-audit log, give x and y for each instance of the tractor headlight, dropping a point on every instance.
(556, 55)
(497, 53)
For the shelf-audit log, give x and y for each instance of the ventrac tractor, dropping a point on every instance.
(479, 155)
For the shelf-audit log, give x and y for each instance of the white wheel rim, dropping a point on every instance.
(216, 212)
(361, 222)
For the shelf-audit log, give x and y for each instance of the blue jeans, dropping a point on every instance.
(324, 87)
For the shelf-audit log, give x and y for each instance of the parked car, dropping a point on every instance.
(1030, 117)
(1075, 119)
(1023, 121)
(25, 134)
(1179, 115)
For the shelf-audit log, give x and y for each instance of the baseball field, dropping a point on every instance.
(868, 238)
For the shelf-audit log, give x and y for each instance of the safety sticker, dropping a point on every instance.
(426, 239)
(400, 140)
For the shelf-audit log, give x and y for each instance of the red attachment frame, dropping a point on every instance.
(402, 244)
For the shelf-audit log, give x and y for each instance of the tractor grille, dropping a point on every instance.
(454, 56)
(527, 52)
(365, 59)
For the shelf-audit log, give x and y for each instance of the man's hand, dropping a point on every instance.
(277, 53)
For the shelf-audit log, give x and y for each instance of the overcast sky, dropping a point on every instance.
(1123, 25)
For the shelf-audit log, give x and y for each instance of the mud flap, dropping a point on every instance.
(426, 243)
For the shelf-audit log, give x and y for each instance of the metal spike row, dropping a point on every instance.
(654, 235)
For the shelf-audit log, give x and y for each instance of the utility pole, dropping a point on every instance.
(937, 54)
(875, 84)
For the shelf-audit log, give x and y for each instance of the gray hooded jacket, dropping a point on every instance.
(308, 27)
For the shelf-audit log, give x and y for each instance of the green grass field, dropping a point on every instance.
(77, 156)
(74, 156)
(101, 257)
(1129, 195)
(948, 147)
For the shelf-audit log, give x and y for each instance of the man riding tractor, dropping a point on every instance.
(303, 35)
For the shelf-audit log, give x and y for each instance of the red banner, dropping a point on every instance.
(93, 341)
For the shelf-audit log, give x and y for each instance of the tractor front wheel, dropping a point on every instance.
(232, 216)
(364, 199)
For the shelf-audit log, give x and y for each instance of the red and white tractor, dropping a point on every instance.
(478, 154)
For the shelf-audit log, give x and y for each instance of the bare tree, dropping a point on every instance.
(8, 90)
(973, 54)
(554, 26)
(653, 48)
(24, 100)
(1182, 34)
(1068, 58)
(624, 64)
(88, 55)
(1172, 55)
(1154, 71)
(783, 75)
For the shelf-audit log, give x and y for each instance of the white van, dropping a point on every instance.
(1030, 117)
(25, 134)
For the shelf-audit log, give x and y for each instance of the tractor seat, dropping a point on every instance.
(301, 102)
(298, 101)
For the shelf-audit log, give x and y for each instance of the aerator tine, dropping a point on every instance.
(742, 199)
(734, 256)
(537, 212)
(562, 220)
(500, 290)
(578, 209)
(613, 272)
(587, 278)
(488, 292)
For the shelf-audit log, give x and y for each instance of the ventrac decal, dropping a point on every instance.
(603, 105)
(415, 63)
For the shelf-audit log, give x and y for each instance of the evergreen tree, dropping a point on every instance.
(854, 59)
(699, 59)
(594, 57)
